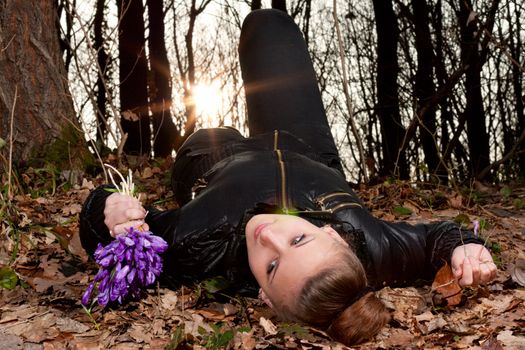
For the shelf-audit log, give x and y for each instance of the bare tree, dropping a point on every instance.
(477, 136)
(164, 130)
(279, 5)
(133, 70)
(424, 86)
(392, 131)
(36, 109)
(103, 63)
(186, 66)
(256, 5)
(516, 48)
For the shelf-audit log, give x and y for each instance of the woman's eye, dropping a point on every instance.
(271, 266)
(298, 239)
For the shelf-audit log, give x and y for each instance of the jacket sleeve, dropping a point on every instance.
(400, 253)
(442, 239)
(93, 230)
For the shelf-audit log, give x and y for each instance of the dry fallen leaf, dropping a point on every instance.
(72, 209)
(518, 272)
(147, 173)
(511, 341)
(268, 326)
(429, 323)
(244, 340)
(139, 334)
(129, 115)
(491, 344)
(446, 285)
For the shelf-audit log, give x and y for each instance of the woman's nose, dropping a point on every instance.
(270, 238)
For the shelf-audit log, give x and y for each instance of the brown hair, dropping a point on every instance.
(338, 300)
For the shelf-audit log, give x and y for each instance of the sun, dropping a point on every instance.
(208, 103)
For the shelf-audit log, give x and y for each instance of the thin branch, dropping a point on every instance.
(506, 157)
(9, 43)
(348, 99)
(112, 106)
(10, 163)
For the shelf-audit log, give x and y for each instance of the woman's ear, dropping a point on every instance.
(264, 297)
(333, 233)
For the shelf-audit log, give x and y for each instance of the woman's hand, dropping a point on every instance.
(123, 211)
(472, 264)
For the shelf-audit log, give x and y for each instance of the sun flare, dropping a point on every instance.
(208, 101)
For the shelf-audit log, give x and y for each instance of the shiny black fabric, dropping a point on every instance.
(206, 236)
(289, 162)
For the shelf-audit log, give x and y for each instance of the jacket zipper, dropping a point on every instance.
(321, 199)
(280, 162)
(321, 202)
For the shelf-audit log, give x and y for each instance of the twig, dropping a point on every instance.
(10, 163)
(443, 285)
(112, 106)
(348, 98)
(9, 43)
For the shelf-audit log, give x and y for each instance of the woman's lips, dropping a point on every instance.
(258, 230)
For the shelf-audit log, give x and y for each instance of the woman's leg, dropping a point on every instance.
(280, 83)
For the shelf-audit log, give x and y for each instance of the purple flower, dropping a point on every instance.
(127, 264)
(476, 227)
(87, 294)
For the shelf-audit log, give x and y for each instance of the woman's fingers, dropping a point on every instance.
(472, 265)
(115, 215)
(488, 271)
(123, 228)
(466, 277)
(121, 209)
(477, 272)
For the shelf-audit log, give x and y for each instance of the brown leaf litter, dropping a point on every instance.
(44, 311)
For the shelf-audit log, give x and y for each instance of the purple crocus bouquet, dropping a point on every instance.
(127, 264)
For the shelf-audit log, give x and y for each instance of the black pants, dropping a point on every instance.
(281, 94)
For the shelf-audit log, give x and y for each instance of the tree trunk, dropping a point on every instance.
(478, 139)
(392, 132)
(33, 87)
(133, 70)
(187, 69)
(279, 5)
(102, 77)
(442, 78)
(306, 20)
(424, 87)
(164, 131)
(516, 50)
(256, 5)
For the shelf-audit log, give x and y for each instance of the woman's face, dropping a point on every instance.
(284, 251)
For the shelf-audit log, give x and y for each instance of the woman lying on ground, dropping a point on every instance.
(274, 211)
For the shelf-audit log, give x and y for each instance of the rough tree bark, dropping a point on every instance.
(133, 70)
(516, 50)
(187, 69)
(164, 130)
(102, 78)
(477, 136)
(392, 131)
(256, 5)
(279, 5)
(33, 86)
(424, 87)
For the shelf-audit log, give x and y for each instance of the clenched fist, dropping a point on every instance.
(472, 264)
(123, 211)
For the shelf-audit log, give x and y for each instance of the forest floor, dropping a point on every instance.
(46, 271)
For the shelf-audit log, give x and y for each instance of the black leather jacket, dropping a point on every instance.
(206, 235)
